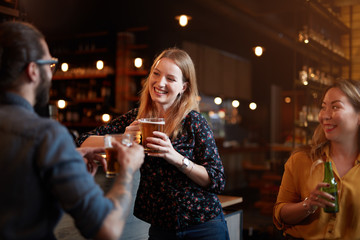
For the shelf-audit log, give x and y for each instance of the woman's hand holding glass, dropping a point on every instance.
(134, 129)
(162, 143)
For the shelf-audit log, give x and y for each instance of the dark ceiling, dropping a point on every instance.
(209, 16)
(231, 25)
(235, 26)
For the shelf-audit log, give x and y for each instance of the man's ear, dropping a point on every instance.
(32, 72)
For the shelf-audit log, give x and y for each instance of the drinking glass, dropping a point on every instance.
(147, 126)
(113, 166)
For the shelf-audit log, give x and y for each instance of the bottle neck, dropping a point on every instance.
(328, 172)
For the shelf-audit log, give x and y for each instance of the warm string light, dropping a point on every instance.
(100, 65)
(105, 117)
(64, 67)
(252, 106)
(61, 104)
(183, 20)
(138, 62)
(258, 50)
(217, 100)
(235, 103)
(287, 99)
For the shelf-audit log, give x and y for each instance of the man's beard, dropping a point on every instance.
(43, 89)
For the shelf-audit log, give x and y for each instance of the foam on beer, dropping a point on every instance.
(149, 121)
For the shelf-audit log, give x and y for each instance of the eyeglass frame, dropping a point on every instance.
(53, 63)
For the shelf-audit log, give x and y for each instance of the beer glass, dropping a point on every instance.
(147, 126)
(113, 167)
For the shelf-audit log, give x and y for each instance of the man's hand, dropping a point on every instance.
(91, 157)
(129, 158)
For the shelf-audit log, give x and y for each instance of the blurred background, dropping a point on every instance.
(261, 68)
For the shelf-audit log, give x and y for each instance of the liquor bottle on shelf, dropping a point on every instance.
(303, 75)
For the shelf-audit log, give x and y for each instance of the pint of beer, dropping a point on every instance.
(113, 167)
(147, 126)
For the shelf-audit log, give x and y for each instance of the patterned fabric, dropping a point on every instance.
(166, 197)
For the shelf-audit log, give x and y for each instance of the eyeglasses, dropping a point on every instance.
(53, 63)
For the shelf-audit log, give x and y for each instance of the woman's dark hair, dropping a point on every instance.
(351, 89)
(20, 44)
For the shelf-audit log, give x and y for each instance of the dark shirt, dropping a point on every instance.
(166, 197)
(42, 172)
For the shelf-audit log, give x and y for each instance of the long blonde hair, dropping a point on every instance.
(184, 102)
(351, 89)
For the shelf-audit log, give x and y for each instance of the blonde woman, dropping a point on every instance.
(178, 188)
(298, 209)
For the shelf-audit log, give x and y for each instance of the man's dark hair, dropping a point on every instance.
(19, 45)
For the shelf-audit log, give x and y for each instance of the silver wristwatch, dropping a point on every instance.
(185, 163)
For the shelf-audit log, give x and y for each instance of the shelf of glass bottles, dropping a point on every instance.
(306, 123)
(83, 73)
(307, 33)
(317, 79)
(89, 89)
(321, 43)
(309, 106)
(76, 116)
(86, 96)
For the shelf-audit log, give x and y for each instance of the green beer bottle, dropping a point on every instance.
(332, 189)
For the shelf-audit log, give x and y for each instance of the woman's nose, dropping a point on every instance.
(326, 113)
(162, 81)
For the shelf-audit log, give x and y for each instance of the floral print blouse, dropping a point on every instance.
(166, 197)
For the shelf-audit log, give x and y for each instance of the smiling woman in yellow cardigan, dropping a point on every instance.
(298, 210)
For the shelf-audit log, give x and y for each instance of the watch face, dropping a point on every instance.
(186, 162)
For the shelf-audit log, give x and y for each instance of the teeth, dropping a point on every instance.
(159, 91)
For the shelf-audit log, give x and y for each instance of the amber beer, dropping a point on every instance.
(113, 166)
(147, 126)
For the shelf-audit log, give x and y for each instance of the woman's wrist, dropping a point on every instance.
(309, 209)
(189, 169)
(186, 166)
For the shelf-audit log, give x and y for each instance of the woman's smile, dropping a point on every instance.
(329, 127)
(159, 91)
(165, 83)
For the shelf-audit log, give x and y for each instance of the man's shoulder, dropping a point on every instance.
(29, 124)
